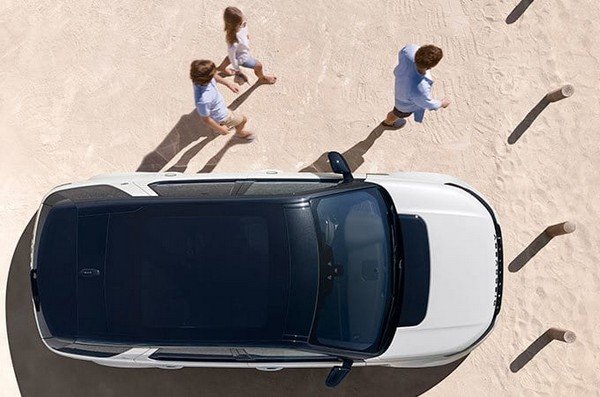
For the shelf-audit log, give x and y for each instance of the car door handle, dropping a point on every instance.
(269, 369)
(170, 366)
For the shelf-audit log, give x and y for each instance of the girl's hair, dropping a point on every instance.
(233, 18)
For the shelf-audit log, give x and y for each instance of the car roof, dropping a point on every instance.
(179, 269)
(167, 270)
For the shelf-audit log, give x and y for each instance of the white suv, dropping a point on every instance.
(266, 270)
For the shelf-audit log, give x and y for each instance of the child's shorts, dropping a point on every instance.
(233, 120)
(249, 63)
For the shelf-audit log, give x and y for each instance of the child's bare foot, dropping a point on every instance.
(268, 79)
(228, 72)
(245, 134)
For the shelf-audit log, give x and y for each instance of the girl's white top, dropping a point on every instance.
(240, 51)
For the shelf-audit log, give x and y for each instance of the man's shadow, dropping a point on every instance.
(190, 128)
(355, 155)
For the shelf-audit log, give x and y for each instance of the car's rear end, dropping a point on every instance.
(55, 272)
(112, 273)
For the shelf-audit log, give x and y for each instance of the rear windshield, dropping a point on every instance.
(184, 272)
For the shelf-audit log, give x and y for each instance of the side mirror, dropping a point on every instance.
(340, 166)
(337, 374)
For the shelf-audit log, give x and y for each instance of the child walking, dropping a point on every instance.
(210, 104)
(238, 50)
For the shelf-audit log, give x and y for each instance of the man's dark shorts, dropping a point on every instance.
(400, 114)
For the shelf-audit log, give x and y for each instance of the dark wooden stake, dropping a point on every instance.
(560, 228)
(562, 335)
(563, 92)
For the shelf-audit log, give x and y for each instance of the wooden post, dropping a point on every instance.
(560, 228)
(563, 92)
(562, 335)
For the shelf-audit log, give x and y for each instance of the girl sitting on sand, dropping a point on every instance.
(239, 48)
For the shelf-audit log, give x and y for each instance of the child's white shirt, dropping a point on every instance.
(240, 51)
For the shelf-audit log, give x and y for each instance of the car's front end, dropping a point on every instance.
(460, 301)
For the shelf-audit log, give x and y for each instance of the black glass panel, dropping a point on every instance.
(415, 277)
(184, 272)
(203, 189)
(286, 187)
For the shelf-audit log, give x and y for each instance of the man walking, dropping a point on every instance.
(413, 83)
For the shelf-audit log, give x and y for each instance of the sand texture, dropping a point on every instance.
(91, 87)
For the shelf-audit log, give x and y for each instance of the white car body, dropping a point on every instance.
(463, 296)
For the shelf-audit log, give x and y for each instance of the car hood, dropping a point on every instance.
(462, 251)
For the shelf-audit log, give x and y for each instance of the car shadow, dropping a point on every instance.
(355, 155)
(40, 372)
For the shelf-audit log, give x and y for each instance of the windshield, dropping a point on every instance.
(356, 274)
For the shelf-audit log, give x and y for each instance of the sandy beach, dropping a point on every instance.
(89, 88)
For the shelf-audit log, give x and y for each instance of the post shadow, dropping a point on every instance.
(354, 156)
(528, 120)
(529, 252)
(39, 372)
(527, 355)
(214, 160)
(188, 129)
(518, 11)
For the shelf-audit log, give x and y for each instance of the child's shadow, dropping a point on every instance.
(214, 160)
(189, 129)
(243, 96)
